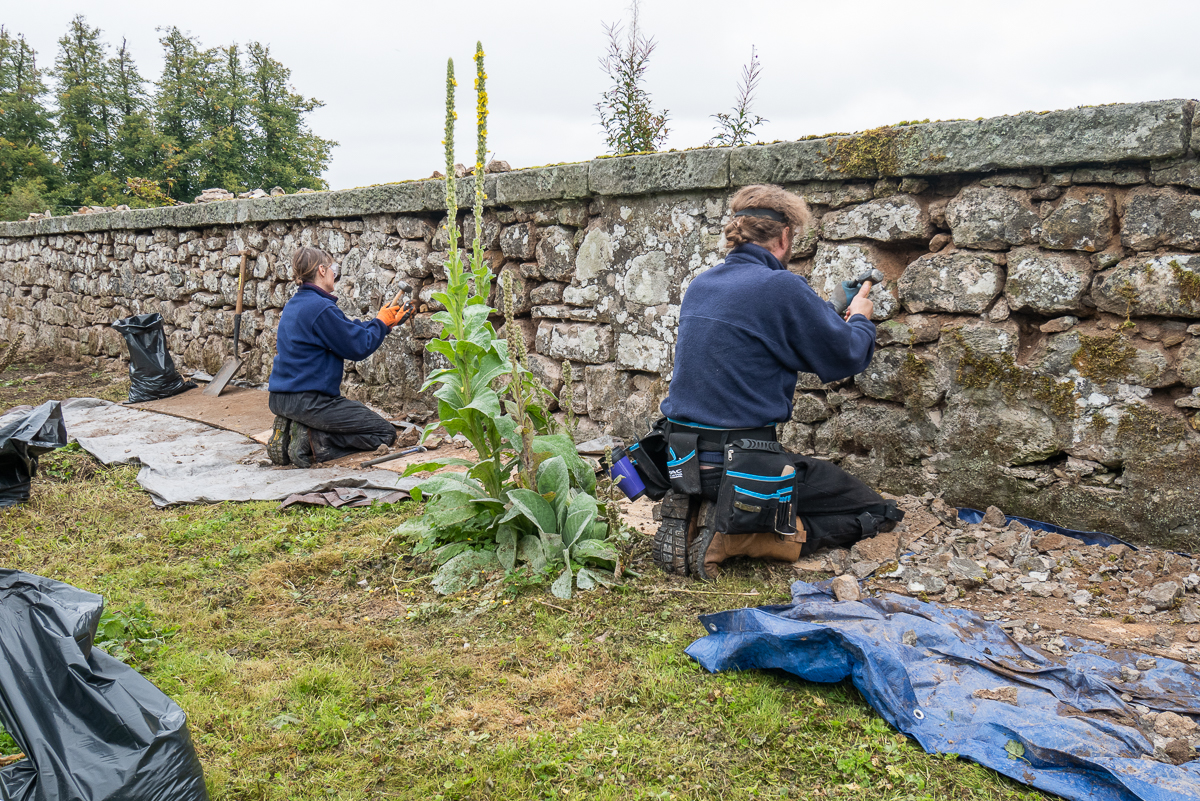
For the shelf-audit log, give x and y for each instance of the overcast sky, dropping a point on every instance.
(827, 66)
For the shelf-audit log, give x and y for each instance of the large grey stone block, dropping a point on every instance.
(902, 375)
(889, 219)
(1151, 286)
(660, 172)
(992, 218)
(579, 342)
(646, 353)
(835, 262)
(1161, 218)
(1082, 221)
(555, 252)
(1103, 134)
(962, 282)
(543, 183)
(783, 163)
(1046, 283)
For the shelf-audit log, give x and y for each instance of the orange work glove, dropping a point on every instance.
(392, 316)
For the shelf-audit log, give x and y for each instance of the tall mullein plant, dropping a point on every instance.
(467, 404)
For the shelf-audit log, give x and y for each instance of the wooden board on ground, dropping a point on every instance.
(236, 409)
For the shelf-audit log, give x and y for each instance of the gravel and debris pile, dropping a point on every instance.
(1044, 589)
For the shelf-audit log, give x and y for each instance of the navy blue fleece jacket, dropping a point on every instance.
(746, 329)
(314, 338)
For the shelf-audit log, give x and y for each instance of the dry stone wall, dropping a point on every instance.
(1038, 331)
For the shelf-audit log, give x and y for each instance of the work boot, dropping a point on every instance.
(671, 541)
(300, 450)
(277, 445)
(709, 547)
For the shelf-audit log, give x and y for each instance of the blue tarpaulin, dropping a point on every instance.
(921, 665)
(969, 515)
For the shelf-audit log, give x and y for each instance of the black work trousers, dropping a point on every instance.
(339, 425)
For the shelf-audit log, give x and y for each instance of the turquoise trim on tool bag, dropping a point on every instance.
(752, 477)
(679, 461)
(781, 495)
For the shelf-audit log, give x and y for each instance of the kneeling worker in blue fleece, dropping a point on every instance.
(313, 422)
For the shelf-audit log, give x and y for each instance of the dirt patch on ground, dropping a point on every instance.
(38, 376)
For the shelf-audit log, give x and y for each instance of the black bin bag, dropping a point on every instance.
(92, 729)
(24, 436)
(152, 373)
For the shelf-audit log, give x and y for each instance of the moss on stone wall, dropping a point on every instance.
(910, 375)
(1189, 283)
(1103, 358)
(1144, 430)
(980, 370)
(870, 153)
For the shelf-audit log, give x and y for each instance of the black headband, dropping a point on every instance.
(770, 214)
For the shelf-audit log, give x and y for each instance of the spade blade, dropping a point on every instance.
(223, 376)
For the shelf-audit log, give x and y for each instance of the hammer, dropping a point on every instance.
(408, 307)
(850, 288)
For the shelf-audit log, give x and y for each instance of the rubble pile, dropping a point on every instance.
(1045, 589)
(1145, 598)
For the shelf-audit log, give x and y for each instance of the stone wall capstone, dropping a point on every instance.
(1038, 328)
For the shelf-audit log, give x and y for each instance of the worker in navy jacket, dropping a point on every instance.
(313, 422)
(747, 328)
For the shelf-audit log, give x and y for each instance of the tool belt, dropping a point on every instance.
(687, 458)
(758, 486)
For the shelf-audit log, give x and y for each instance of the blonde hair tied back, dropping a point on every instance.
(760, 230)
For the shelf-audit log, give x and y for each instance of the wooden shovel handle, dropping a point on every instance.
(241, 283)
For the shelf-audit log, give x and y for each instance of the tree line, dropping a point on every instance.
(92, 131)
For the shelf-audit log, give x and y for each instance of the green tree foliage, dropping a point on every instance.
(235, 120)
(27, 172)
(217, 117)
(87, 120)
(285, 152)
(627, 115)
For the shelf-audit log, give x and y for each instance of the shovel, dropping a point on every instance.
(234, 362)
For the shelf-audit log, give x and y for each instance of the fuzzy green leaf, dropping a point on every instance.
(533, 507)
(462, 572)
(506, 547)
(580, 514)
(561, 445)
(431, 487)
(529, 549)
(552, 477)
(553, 544)
(561, 588)
(487, 402)
(595, 550)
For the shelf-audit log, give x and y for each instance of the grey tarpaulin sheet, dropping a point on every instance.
(920, 666)
(188, 462)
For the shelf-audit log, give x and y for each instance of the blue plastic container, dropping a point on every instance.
(625, 474)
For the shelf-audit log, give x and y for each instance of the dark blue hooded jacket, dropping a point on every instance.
(314, 338)
(746, 328)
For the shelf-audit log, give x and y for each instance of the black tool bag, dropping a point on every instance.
(152, 373)
(757, 490)
(650, 455)
(683, 466)
(836, 508)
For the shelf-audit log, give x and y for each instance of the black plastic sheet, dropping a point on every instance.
(92, 729)
(23, 438)
(152, 373)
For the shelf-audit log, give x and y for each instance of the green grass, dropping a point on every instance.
(300, 682)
